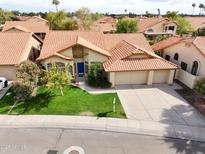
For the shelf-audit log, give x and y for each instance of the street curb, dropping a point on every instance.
(104, 124)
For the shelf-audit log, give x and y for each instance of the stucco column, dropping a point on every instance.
(150, 77)
(112, 78)
(171, 77)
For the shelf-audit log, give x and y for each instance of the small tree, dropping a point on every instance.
(28, 73)
(127, 26)
(58, 79)
(85, 20)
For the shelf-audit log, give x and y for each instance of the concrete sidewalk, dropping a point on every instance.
(104, 124)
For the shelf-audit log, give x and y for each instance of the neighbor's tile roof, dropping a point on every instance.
(196, 22)
(145, 23)
(20, 28)
(105, 28)
(36, 27)
(120, 61)
(56, 41)
(12, 46)
(166, 43)
(198, 42)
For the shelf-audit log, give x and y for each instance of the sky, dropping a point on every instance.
(104, 6)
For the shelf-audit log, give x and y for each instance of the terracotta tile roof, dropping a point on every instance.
(36, 27)
(120, 59)
(198, 42)
(107, 19)
(111, 40)
(31, 18)
(56, 41)
(196, 22)
(12, 46)
(166, 43)
(145, 23)
(105, 24)
(62, 56)
(18, 28)
(105, 28)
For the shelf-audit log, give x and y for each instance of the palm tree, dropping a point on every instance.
(56, 3)
(193, 5)
(201, 6)
(125, 11)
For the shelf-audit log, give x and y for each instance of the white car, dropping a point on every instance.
(3, 83)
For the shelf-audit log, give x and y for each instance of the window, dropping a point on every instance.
(176, 56)
(171, 28)
(49, 66)
(184, 66)
(61, 66)
(150, 30)
(194, 68)
(167, 57)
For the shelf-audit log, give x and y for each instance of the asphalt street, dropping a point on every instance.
(56, 141)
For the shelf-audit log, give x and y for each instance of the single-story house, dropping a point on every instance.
(189, 53)
(126, 58)
(35, 25)
(16, 48)
(156, 26)
(197, 23)
(31, 18)
(105, 25)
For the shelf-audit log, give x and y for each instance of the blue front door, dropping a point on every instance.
(80, 69)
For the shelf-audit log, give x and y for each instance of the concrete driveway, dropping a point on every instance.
(159, 104)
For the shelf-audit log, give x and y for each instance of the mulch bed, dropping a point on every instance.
(192, 97)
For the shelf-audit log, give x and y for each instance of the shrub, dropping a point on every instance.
(200, 86)
(23, 92)
(97, 78)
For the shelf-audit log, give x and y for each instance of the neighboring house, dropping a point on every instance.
(105, 24)
(16, 48)
(189, 53)
(196, 22)
(126, 58)
(36, 25)
(31, 19)
(156, 26)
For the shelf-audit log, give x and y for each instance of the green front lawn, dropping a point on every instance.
(74, 102)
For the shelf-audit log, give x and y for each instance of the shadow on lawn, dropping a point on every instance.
(38, 102)
(103, 114)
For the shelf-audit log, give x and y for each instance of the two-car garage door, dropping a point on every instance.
(141, 77)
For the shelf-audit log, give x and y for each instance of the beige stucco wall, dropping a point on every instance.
(55, 59)
(161, 76)
(9, 72)
(187, 54)
(94, 56)
(160, 27)
(89, 56)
